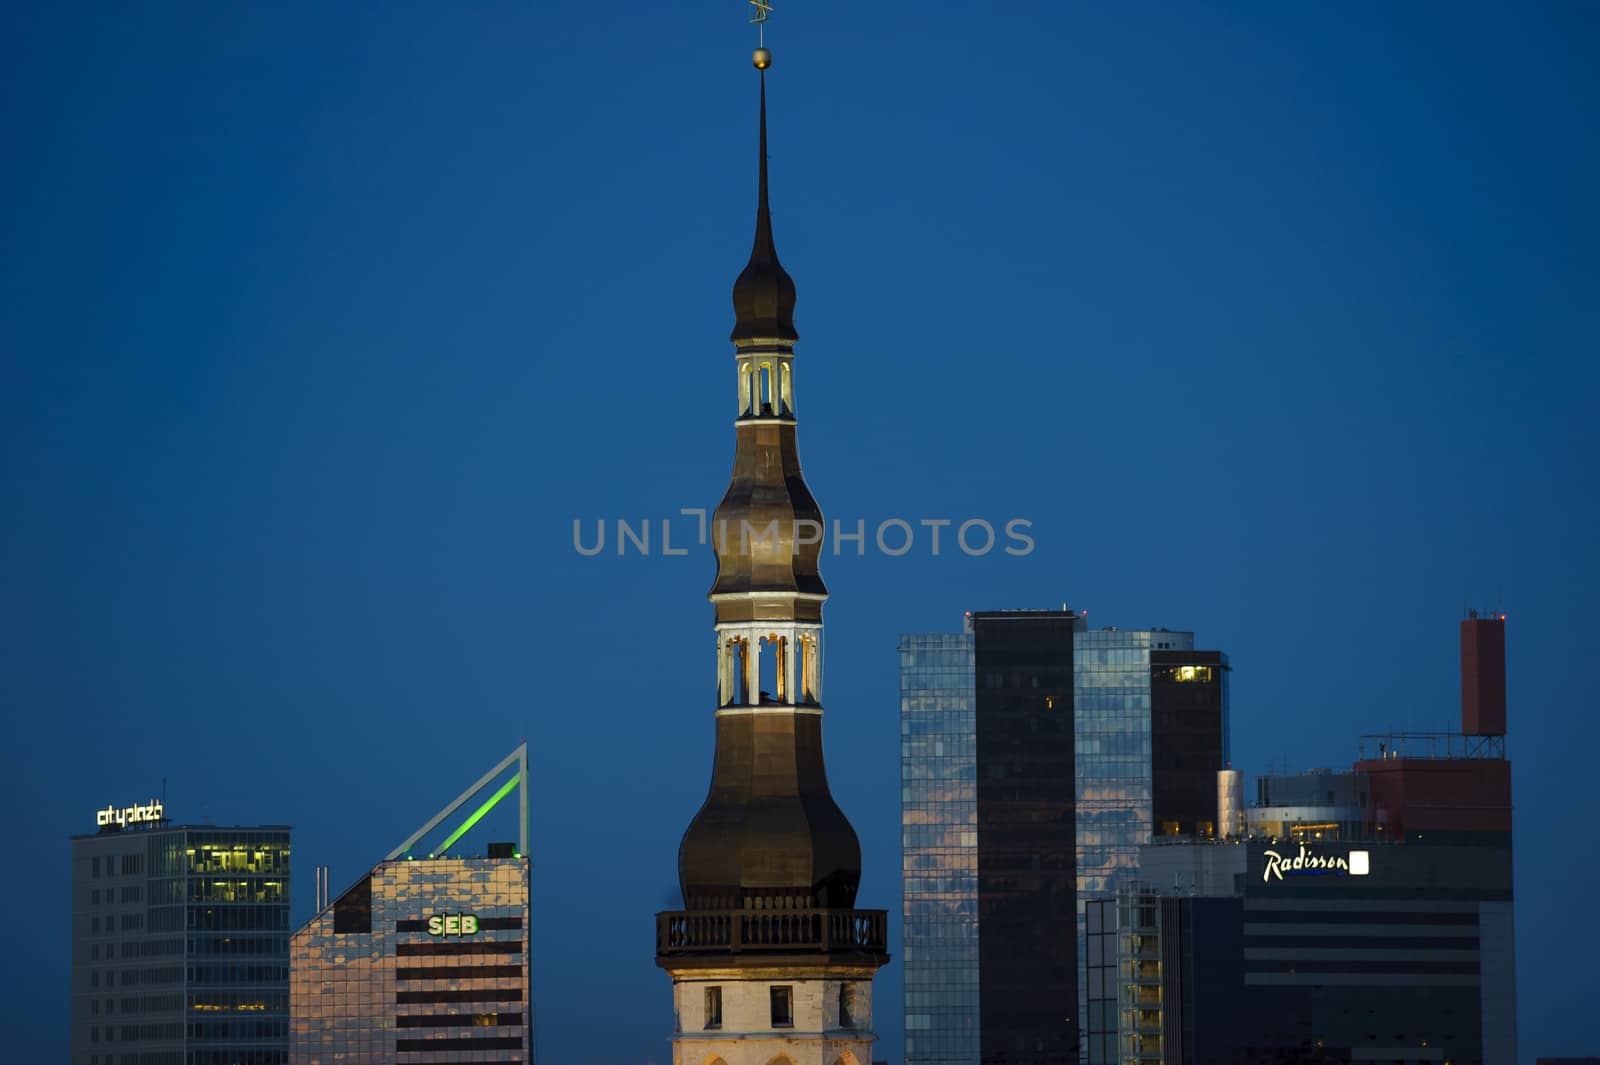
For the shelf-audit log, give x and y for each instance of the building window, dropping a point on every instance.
(713, 1007)
(94, 867)
(847, 1005)
(783, 1007)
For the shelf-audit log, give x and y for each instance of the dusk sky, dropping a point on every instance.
(323, 323)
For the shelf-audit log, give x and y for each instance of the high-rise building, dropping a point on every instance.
(424, 958)
(1028, 728)
(1307, 951)
(1367, 917)
(180, 942)
(769, 959)
(988, 840)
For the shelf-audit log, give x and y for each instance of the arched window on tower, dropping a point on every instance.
(773, 684)
(747, 391)
(786, 398)
(734, 682)
(809, 681)
(802, 654)
(766, 388)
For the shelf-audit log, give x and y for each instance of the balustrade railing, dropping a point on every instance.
(716, 931)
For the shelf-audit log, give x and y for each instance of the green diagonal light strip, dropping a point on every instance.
(477, 815)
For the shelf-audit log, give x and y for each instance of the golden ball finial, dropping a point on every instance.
(762, 58)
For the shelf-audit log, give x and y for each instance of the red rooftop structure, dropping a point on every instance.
(1449, 782)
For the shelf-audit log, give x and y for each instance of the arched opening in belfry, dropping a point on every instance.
(787, 394)
(807, 676)
(747, 395)
(736, 672)
(774, 655)
(766, 388)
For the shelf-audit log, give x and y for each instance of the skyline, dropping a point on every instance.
(345, 382)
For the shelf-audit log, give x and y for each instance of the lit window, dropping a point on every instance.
(783, 1007)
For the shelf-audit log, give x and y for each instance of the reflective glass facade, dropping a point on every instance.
(180, 946)
(1004, 798)
(1026, 869)
(1151, 722)
(420, 961)
(1111, 713)
(939, 815)
(986, 730)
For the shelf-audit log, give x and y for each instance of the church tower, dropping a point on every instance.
(771, 964)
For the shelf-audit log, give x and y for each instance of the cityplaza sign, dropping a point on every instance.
(453, 924)
(1355, 863)
(129, 815)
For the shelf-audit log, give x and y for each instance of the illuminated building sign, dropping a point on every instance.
(129, 815)
(454, 924)
(1305, 863)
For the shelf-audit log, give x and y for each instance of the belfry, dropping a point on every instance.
(769, 959)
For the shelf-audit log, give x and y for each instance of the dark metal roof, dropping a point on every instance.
(763, 296)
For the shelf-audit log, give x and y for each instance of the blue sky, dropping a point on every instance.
(322, 325)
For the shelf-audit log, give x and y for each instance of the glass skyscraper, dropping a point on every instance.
(425, 958)
(939, 804)
(1025, 735)
(1151, 721)
(180, 942)
(986, 727)
(419, 961)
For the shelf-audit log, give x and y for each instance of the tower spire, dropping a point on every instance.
(763, 210)
(769, 866)
(763, 296)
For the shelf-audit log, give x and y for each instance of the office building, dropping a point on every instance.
(180, 952)
(1027, 729)
(988, 836)
(424, 958)
(769, 958)
(1259, 951)
(1367, 918)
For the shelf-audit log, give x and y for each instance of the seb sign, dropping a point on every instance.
(129, 815)
(453, 924)
(1311, 863)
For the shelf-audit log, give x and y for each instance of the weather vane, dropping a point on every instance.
(763, 9)
(758, 17)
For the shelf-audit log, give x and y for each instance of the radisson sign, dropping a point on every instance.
(129, 815)
(1355, 863)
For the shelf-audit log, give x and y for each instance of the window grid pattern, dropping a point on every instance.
(350, 1002)
(1111, 716)
(166, 904)
(939, 827)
